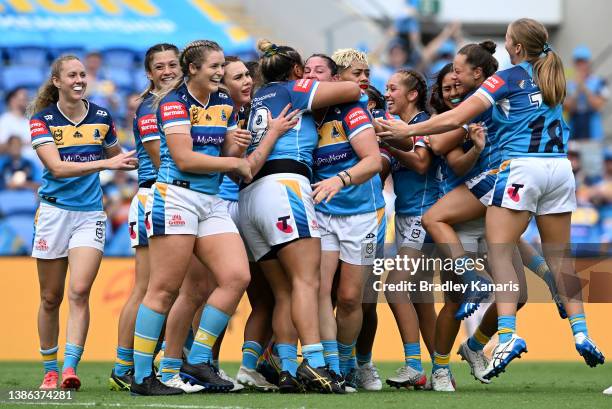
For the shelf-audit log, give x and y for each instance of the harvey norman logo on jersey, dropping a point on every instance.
(173, 110)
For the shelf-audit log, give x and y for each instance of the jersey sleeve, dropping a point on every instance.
(39, 131)
(173, 112)
(495, 87)
(354, 120)
(146, 124)
(302, 93)
(110, 139)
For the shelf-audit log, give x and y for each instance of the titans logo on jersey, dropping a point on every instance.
(76, 142)
(334, 154)
(526, 125)
(297, 143)
(209, 124)
(415, 193)
(145, 130)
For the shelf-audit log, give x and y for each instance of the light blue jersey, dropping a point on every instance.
(229, 189)
(209, 123)
(526, 126)
(145, 130)
(76, 142)
(415, 193)
(335, 154)
(297, 143)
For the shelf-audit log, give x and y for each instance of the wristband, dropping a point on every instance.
(342, 179)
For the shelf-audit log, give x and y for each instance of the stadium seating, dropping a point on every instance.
(121, 77)
(33, 56)
(22, 76)
(18, 202)
(119, 58)
(23, 226)
(10, 243)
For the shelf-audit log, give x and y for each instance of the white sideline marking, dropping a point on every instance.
(120, 405)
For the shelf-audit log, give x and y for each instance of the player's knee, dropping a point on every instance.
(349, 300)
(160, 299)
(428, 220)
(79, 294)
(51, 301)
(238, 279)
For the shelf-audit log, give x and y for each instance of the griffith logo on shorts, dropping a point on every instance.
(513, 192)
(356, 117)
(173, 110)
(303, 85)
(493, 83)
(283, 226)
(41, 245)
(176, 220)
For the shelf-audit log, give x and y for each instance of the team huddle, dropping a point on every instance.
(266, 177)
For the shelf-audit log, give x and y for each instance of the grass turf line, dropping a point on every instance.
(524, 385)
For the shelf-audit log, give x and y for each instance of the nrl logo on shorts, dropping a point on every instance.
(57, 135)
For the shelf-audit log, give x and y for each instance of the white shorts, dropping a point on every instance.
(482, 185)
(409, 232)
(538, 185)
(233, 210)
(356, 237)
(175, 210)
(136, 218)
(276, 209)
(472, 235)
(58, 230)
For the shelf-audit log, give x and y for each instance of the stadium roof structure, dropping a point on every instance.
(135, 24)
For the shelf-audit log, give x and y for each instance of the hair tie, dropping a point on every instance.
(547, 48)
(273, 50)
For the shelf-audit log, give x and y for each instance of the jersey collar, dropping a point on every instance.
(87, 105)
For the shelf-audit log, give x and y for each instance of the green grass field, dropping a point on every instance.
(525, 385)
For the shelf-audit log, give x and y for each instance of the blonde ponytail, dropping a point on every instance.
(548, 71)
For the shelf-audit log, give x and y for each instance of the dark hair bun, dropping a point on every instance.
(489, 46)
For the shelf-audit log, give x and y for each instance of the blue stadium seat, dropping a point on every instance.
(18, 202)
(29, 55)
(119, 58)
(10, 243)
(78, 51)
(141, 82)
(120, 245)
(23, 226)
(122, 77)
(22, 76)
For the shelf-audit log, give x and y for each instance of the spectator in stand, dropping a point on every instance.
(408, 24)
(587, 95)
(600, 194)
(14, 120)
(583, 181)
(17, 172)
(100, 90)
(125, 130)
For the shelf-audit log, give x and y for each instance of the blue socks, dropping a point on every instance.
(506, 326)
(314, 354)
(478, 341)
(288, 356)
(331, 356)
(49, 357)
(146, 333)
(363, 359)
(412, 355)
(169, 367)
(251, 351)
(72, 356)
(124, 361)
(578, 323)
(347, 361)
(213, 322)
